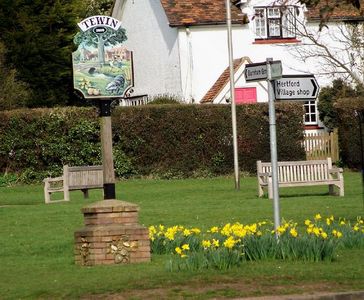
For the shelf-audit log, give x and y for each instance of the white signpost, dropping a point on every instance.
(296, 87)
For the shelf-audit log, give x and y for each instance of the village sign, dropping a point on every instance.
(102, 66)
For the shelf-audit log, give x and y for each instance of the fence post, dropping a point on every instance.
(334, 139)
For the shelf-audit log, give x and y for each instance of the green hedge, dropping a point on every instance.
(168, 141)
(349, 132)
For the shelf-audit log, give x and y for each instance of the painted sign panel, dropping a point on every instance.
(258, 71)
(102, 66)
(296, 87)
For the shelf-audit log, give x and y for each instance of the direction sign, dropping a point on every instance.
(296, 87)
(258, 71)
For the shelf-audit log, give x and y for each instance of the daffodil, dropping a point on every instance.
(337, 234)
(206, 244)
(293, 232)
(196, 230)
(186, 232)
(318, 217)
(178, 250)
(214, 229)
(185, 247)
(215, 243)
(307, 222)
(226, 230)
(171, 232)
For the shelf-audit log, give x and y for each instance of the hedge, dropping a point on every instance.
(349, 131)
(163, 140)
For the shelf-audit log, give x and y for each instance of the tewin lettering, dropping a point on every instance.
(97, 21)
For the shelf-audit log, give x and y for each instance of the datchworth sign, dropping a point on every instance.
(102, 66)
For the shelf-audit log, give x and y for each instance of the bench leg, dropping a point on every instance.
(331, 189)
(66, 194)
(85, 193)
(260, 191)
(47, 195)
(270, 188)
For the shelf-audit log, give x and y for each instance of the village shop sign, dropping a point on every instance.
(102, 66)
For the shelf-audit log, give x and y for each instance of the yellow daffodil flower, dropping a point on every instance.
(186, 232)
(214, 229)
(318, 217)
(178, 250)
(307, 222)
(206, 244)
(215, 243)
(186, 247)
(229, 242)
(324, 235)
(293, 232)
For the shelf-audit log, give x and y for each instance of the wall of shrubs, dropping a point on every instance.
(349, 131)
(162, 140)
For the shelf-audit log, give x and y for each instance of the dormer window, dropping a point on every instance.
(277, 22)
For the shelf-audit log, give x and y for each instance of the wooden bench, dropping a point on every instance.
(74, 178)
(300, 173)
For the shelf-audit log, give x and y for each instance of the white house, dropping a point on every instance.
(180, 46)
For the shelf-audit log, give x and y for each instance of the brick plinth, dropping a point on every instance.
(111, 235)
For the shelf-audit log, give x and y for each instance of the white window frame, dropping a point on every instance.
(279, 22)
(311, 113)
(261, 23)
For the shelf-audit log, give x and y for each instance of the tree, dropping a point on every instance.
(101, 40)
(13, 93)
(38, 35)
(328, 96)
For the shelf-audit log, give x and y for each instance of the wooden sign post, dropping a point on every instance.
(106, 149)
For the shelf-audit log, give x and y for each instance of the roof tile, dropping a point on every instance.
(199, 12)
(334, 10)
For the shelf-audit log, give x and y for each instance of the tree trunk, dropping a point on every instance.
(101, 51)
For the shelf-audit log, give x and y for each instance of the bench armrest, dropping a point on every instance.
(335, 170)
(55, 179)
(266, 174)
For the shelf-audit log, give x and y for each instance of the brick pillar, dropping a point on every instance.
(111, 235)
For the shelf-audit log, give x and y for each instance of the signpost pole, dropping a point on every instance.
(273, 147)
(232, 96)
(106, 149)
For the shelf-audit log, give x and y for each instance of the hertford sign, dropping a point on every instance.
(102, 66)
(296, 87)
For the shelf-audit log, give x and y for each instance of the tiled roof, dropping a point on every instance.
(223, 80)
(343, 11)
(199, 12)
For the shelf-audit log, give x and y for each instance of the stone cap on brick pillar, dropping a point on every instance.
(108, 206)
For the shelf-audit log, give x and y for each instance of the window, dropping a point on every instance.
(245, 95)
(275, 22)
(310, 113)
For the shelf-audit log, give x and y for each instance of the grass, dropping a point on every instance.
(36, 242)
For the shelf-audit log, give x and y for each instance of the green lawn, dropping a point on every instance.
(36, 241)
